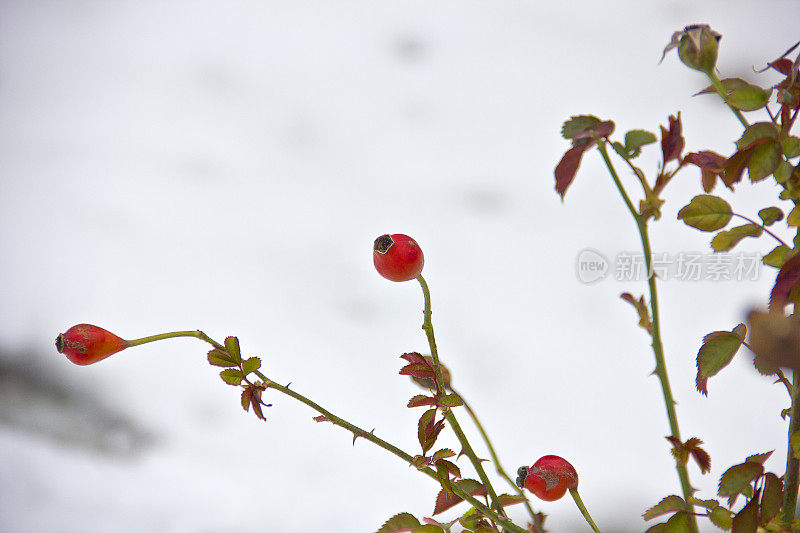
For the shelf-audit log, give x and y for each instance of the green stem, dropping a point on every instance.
(762, 226)
(500, 471)
(584, 511)
(715, 81)
(335, 420)
(466, 448)
(658, 348)
(790, 478)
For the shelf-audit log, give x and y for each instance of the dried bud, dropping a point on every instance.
(428, 383)
(85, 344)
(697, 47)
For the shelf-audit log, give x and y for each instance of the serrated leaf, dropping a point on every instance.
(232, 347)
(402, 522)
(758, 132)
(635, 139)
(231, 376)
(771, 498)
(759, 458)
(443, 473)
(428, 430)
(445, 501)
(746, 520)
(785, 283)
(251, 365)
(450, 400)
(770, 215)
(721, 517)
(444, 453)
(679, 523)
(737, 478)
(507, 500)
(716, 352)
(699, 455)
(764, 160)
(420, 400)
(777, 257)
(578, 124)
(670, 504)
(707, 504)
(218, 358)
(725, 240)
(706, 213)
(748, 97)
(794, 217)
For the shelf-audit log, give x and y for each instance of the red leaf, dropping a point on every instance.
(672, 139)
(734, 167)
(787, 280)
(445, 501)
(320, 418)
(711, 165)
(782, 65)
(699, 455)
(420, 399)
(568, 166)
(413, 357)
(422, 371)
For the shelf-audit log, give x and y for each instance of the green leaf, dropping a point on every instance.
(670, 504)
(721, 517)
(748, 98)
(783, 172)
(708, 504)
(402, 522)
(218, 358)
(444, 453)
(231, 376)
(791, 147)
(510, 499)
(726, 240)
(756, 132)
(777, 257)
(728, 84)
(718, 349)
(794, 217)
(772, 497)
(737, 479)
(232, 347)
(706, 213)
(746, 520)
(428, 528)
(637, 138)
(443, 473)
(679, 523)
(764, 160)
(770, 215)
(577, 125)
(251, 365)
(759, 458)
(451, 400)
(621, 150)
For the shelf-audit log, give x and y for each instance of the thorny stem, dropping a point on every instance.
(790, 478)
(762, 226)
(466, 448)
(658, 348)
(583, 510)
(721, 91)
(500, 471)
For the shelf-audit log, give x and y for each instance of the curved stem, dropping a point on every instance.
(466, 448)
(715, 81)
(762, 226)
(500, 471)
(583, 510)
(658, 348)
(790, 478)
(171, 335)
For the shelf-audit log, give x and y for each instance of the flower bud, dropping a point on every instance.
(85, 344)
(697, 47)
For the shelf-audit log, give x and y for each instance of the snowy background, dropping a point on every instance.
(227, 165)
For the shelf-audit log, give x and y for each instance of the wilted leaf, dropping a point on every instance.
(725, 240)
(670, 504)
(231, 376)
(706, 213)
(770, 215)
(641, 310)
(428, 383)
(400, 523)
(746, 520)
(672, 139)
(784, 291)
(219, 358)
(748, 97)
(711, 165)
(716, 353)
(737, 478)
(777, 257)
(771, 498)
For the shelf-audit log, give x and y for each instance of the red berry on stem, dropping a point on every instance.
(549, 478)
(85, 344)
(397, 257)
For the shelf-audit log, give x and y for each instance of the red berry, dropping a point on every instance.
(397, 257)
(85, 344)
(549, 478)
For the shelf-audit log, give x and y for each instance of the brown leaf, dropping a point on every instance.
(775, 339)
(711, 165)
(734, 167)
(672, 139)
(568, 166)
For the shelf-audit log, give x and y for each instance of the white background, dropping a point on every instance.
(226, 166)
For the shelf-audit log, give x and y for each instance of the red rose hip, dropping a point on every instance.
(85, 344)
(549, 478)
(397, 257)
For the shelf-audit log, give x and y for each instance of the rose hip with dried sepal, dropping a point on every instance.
(397, 257)
(85, 344)
(549, 478)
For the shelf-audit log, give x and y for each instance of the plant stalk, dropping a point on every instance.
(583, 510)
(790, 478)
